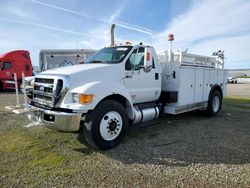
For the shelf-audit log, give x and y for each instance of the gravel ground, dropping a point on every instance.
(188, 150)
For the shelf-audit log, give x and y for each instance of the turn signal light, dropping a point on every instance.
(85, 99)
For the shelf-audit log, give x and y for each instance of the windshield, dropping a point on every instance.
(109, 55)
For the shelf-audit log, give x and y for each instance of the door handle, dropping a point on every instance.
(156, 76)
(128, 76)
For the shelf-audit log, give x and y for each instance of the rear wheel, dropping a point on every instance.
(106, 126)
(1, 86)
(214, 103)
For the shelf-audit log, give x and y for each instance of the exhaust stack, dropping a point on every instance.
(170, 54)
(112, 37)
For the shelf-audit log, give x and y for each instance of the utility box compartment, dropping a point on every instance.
(191, 82)
(186, 86)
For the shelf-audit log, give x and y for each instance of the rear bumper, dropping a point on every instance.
(60, 121)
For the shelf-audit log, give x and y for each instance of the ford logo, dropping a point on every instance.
(41, 88)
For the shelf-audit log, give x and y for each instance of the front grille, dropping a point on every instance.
(47, 91)
(44, 80)
(46, 100)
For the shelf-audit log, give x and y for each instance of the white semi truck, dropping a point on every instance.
(123, 85)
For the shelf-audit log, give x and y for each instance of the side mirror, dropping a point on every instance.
(147, 68)
(147, 60)
(138, 67)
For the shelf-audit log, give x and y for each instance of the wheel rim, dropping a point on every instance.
(216, 103)
(110, 125)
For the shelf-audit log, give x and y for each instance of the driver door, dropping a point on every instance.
(142, 79)
(7, 70)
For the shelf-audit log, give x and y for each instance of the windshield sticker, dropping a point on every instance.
(121, 49)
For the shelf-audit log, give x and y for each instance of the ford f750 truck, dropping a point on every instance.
(123, 85)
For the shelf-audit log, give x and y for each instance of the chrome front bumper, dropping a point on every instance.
(60, 121)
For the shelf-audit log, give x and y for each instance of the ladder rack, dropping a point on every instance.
(193, 60)
(188, 59)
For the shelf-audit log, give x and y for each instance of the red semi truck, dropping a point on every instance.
(14, 62)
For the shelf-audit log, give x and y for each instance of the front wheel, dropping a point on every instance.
(105, 126)
(214, 103)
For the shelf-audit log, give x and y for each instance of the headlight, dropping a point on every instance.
(31, 82)
(76, 97)
(83, 98)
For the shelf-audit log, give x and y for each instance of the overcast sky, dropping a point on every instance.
(201, 26)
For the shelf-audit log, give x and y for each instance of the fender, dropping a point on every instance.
(215, 87)
(100, 90)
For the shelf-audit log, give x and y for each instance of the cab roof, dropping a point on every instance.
(11, 53)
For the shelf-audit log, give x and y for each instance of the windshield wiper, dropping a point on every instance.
(96, 61)
(113, 61)
(107, 62)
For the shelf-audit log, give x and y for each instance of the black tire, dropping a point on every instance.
(211, 108)
(90, 128)
(1, 86)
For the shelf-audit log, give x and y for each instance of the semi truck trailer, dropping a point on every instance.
(54, 58)
(122, 85)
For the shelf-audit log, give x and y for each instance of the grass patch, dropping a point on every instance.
(237, 101)
(47, 159)
(243, 77)
(12, 142)
(58, 172)
(32, 154)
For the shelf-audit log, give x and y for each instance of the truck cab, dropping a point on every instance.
(142, 74)
(14, 62)
(123, 85)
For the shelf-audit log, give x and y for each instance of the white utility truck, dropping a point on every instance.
(123, 85)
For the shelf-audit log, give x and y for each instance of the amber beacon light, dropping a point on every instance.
(170, 37)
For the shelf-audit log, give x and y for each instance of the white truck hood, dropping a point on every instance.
(86, 73)
(70, 70)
